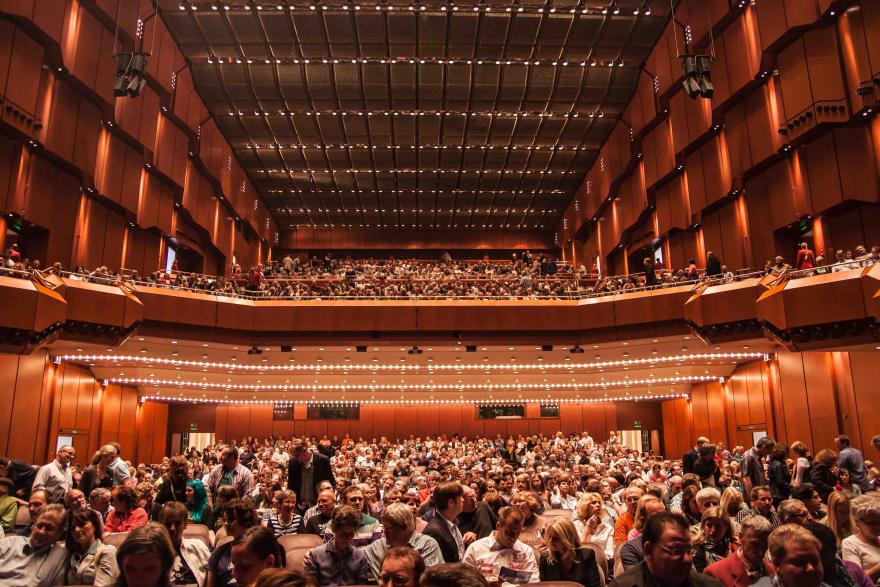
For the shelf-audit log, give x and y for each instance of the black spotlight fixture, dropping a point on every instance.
(471, 348)
(255, 351)
(286, 349)
(576, 350)
(130, 68)
(361, 348)
(547, 348)
(414, 351)
(697, 70)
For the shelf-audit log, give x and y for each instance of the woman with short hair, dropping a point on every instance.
(126, 514)
(863, 547)
(591, 527)
(146, 557)
(90, 561)
(565, 559)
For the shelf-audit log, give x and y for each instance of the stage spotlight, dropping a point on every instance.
(691, 87)
(414, 351)
(255, 351)
(130, 68)
(361, 348)
(697, 71)
(471, 348)
(576, 350)
(547, 348)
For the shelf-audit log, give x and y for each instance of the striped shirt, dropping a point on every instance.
(279, 528)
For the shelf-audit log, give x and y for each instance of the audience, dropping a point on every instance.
(748, 564)
(90, 561)
(190, 554)
(564, 559)
(37, 560)
(501, 556)
(794, 553)
(253, 552)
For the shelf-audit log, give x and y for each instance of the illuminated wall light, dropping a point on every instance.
(489, 113)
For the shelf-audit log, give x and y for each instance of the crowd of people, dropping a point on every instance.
(525, 276)
(446, 511)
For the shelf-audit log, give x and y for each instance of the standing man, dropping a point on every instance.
(119, 471)
(753, 465)
(229, 472)
(55, 478)
(690, 458)
(449, 501)
(853, 461)
(305, 470)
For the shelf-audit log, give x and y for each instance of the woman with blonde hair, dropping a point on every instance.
(590, 526)
(715, 540)
(565, 559)
(802, 464)
(732, 502)
(839, 517)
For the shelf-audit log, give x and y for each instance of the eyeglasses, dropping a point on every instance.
(398, 580)
(678, 551)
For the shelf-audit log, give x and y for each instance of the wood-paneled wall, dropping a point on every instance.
(811, 397)
(41, 401)
(236, 422)
(112, 179)
(788, 137)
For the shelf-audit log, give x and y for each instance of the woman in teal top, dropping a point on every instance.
(197, 502)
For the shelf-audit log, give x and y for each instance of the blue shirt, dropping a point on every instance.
(329, 567)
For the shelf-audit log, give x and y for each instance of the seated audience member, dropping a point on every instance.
(412, 501)
(126, 514)
(369, 529)
(806, 493)
(534, 524)
(198, 510)
(312, 511)
(449, 502)
(453, 575)
(564, 559)
(839, 517)
(190, 554)
(37, 560)
(762, 505)
(748, 564)
(794, 553)
(90, 561)
(476, 519)
(501, 556)
(37, 500)
(668, 559)
(714, 540)
(239, 516)
(400, 530)
(319, 521)
(145, 558)
(591, 527)
(8, 506)
(225, 494)
(732, 502)
(337, 562)
(174, 484)
(283, 518)
(258, 549)
(793, 511)
(99, 500)
(402, 566)
(283, 578)
(863, 547)
(632, 553)
(625, 523)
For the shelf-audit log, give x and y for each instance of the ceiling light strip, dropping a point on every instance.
(410, 386)
(259, 147)
(312, 7)
(421, 191)
(431, 170)
(233, 366)
(489, 113)
(282, 403)
(237, 60)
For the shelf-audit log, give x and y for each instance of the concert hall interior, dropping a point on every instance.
(225, 221)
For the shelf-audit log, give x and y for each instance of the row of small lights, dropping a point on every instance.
(431, 367)
(423, 191)
(417, 170)
(419, 402)
(458, 147)
(410, 386)
(490, 113)
(612, 10)
(415, 210)
(425, 225)
(410, 61)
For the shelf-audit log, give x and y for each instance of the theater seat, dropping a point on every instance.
(600, 557)
(199, 531)
(557, 513)
(22, 518)
(300, 541)
(556, 584)
(295, 557)
(116, 539)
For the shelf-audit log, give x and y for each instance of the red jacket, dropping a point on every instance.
(732, 571)
(125, 522)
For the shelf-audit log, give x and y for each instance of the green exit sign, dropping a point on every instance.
(637, 424)
(193, 426)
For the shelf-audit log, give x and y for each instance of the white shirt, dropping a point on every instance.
(856, 550)
(603, 537)
(488, 557)
(54, 479)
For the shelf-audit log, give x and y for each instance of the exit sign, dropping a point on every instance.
(637, 424)
(193, 426)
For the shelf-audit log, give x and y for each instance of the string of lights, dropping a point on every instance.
(275, 146)
(431, 170)
(584, 63)
(574, 386)
(285, 403)
(488, 113)
(348, 366)
(418, 191)
(579, 9)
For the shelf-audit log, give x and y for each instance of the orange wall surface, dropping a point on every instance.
(718, 175)
(811, 397)
(112, 179)
(42, 401)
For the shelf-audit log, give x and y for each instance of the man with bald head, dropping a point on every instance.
(118, 468)
(55, 478)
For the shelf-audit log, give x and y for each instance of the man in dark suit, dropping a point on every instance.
(689, 459)
(448, 501)
(305, 470)
(747, 566)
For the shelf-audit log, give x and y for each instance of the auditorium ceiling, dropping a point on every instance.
(182, 370)
(447, 115)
